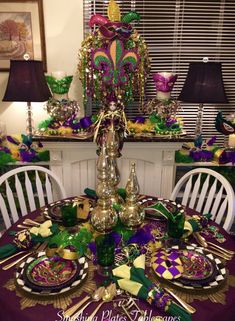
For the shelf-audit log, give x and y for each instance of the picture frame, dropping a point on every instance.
(22, 34)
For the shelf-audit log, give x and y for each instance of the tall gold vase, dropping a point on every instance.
(103, 216)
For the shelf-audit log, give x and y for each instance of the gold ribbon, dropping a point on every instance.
(217, 155)
(64, 253)
(110, 114)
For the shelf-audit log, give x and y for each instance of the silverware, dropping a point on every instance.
(30, 222)
(11, 257)
(223, 256)
(210, 248)
(221, 248)
(38, 249)
(184, 304)
(74, 308)
(90, 318)
(23, 226)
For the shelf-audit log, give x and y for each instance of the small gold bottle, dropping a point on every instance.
(132, 214)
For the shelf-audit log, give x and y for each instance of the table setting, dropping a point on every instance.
(171, 264)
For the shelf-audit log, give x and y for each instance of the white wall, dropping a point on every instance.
(64, 33)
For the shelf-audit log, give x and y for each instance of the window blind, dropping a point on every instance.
(178, 32)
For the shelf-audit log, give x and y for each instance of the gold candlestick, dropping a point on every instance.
(132, 215)
(103, 216)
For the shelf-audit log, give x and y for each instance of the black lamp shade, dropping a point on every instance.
(26, 82)
(204, 84)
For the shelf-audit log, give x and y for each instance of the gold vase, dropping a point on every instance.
(103, 216)
(132, 214)
(112, 143)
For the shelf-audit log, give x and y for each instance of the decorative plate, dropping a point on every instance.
(203, 270)
(33, 277)
(53, 212)
(51, 271)
(152, 214)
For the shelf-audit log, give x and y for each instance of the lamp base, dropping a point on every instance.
(29, 122)
(198, 127)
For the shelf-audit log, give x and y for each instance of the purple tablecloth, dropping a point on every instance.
(10, 304)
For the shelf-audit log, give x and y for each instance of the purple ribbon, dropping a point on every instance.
(86, 122)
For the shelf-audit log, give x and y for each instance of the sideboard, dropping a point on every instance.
(75, 163)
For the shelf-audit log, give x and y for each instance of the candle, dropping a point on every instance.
(58, 74)
(231, 141)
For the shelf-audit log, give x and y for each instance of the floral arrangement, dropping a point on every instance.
(21, 148)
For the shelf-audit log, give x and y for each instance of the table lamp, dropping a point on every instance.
(203, 84)
(27, 83)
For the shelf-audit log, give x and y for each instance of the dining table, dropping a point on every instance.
(15, 307)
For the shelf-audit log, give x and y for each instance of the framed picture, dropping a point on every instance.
(21, 31)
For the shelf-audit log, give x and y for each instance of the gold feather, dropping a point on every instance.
(114, 13)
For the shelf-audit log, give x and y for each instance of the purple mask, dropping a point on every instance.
(164, 81)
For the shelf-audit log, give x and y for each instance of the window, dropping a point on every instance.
(178, 32)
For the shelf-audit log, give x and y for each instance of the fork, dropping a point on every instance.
(36, 250)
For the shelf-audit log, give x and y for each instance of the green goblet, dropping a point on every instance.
(105, 248)
(69, 215)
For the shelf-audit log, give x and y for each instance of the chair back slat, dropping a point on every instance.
(28, 188)
(48, 190)
(216, 196)
(187, 191)
(20, 195)
(217, 202)
(5, 214)
(11, 202)
(221, 211)
(195, 191)
(29, 191)
(40, 190)
(203, 194)
(210, 198)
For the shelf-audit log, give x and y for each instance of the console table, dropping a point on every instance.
(75, 163)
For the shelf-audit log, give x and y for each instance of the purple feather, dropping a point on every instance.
(142, 236)
(211, 141)
(13, 140)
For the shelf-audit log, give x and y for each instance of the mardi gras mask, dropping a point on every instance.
(164, 81)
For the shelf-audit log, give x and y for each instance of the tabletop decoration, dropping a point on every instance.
(103, 216)
(133, 280)
(21, 148)
(105, 253)
(157, 125)
(113, 58)
(132, 214)
(71, 127)
(175, 217)
(39, 276)
(60, 107)
(205, 151)
(113, 151)
(167, 265)
(82, 204)
(69, 245)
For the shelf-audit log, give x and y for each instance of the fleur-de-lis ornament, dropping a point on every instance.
(115, 63)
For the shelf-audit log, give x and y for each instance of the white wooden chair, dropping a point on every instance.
(207, 191)
(26, 188)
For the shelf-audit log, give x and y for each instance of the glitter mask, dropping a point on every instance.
(164, 81)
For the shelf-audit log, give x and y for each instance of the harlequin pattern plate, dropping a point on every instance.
(201, 270)
(33, 277)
